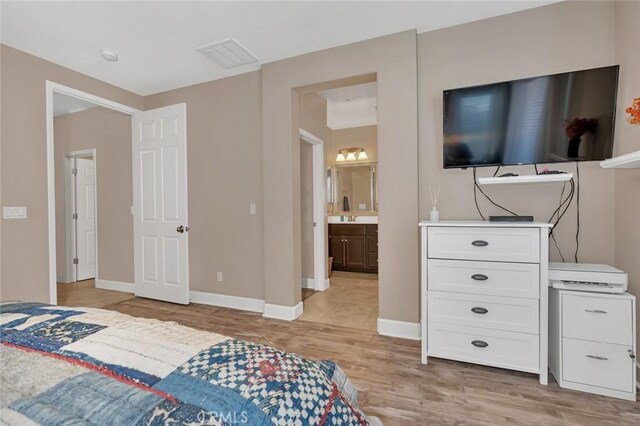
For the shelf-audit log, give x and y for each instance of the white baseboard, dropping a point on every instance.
(402, 329)
(114, 285)
(309, 283)
(226, 301)
(288, 313)
(326, 285)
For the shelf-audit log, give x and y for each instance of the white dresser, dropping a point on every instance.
(484, 294)
(592, 342)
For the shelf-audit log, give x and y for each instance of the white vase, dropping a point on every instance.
(435, 215)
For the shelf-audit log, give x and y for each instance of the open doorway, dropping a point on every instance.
(93, 198)
(346, 116)
(312, 211)
(140, 168)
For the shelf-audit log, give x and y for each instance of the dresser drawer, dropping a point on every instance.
(602, 319)
(498, 313)
(597, 364)
(491, 278)
(517, 351)
(494, 244)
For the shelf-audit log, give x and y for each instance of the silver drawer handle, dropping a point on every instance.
(479, 310)
(600, 358)
(479, 343)
(479, 243)
(595, 311)
(479, 277)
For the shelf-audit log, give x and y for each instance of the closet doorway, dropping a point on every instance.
(80, 195)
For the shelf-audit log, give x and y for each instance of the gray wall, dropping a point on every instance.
(109, 133)
(224, 150)
(627, 182)
(25, 243)
(524, 44)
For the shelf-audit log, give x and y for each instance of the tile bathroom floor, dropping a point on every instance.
(350, 301)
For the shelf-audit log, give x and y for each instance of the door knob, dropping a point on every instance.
(181, 229)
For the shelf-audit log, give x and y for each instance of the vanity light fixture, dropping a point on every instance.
(351, 154)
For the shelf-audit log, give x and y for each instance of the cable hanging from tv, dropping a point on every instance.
(558, 213)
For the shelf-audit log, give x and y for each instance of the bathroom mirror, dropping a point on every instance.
(352, 188)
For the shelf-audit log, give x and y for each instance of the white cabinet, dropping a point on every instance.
(602, 319)
(484, 293)
(592, 342)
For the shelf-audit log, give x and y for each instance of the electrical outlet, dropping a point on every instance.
(219, 277)
(252, 209)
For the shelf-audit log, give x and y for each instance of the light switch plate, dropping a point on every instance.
(252, 209)
(362, 206)
(14, 212)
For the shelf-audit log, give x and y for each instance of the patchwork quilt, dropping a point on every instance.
(71, 366)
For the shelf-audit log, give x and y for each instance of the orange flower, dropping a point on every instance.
(634, 112)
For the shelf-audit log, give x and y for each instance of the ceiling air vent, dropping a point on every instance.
(228, 53)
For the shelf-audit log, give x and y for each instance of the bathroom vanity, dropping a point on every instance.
(354, 246)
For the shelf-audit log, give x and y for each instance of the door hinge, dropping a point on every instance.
(75, 260)
(75, 216)
(74, 171)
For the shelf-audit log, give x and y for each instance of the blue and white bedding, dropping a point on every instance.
(62, 365)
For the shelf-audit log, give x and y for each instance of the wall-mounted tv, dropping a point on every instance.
(549, 119)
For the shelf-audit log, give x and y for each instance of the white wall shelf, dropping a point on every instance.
(562, 177)
(627, 161)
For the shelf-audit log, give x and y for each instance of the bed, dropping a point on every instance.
(61, 365)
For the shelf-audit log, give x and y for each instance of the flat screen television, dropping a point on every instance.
(550, 119)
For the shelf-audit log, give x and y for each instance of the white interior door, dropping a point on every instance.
(85, 219)
(161, 239)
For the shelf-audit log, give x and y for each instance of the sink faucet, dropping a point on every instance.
(352, 218)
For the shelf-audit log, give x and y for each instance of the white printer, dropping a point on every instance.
(587, 277)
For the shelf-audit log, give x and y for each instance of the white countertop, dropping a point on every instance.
(372, 220)
(486, 223)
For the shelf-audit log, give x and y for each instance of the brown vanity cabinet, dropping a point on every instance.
(354, 247)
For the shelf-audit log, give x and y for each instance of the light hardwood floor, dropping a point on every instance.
(392, 382)
(350, 301)
(85, 293)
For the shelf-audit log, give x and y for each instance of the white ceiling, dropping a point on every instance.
(63, 105)
(157, 41)
(352, 106)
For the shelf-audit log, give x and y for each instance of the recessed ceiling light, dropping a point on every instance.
(109, 55)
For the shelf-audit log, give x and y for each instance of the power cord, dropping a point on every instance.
(475, 194)
(562, 208)
(553, 237)
(476, 186)
(577, 210)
